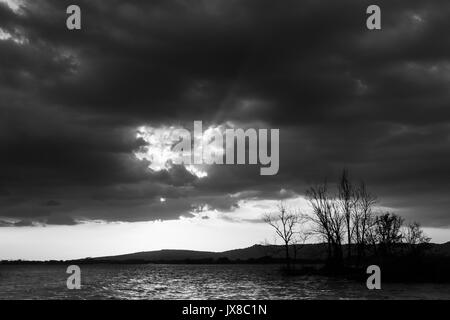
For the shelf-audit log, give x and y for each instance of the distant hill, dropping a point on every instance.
(254, 254)
(308, 252)
(312, 252)
(440, 249)
(160, 255)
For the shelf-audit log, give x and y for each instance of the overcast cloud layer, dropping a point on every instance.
(376, 102)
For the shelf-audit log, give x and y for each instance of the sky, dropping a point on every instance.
(73, 178)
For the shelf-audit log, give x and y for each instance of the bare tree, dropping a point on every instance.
(327, 221)
(414, 237)
(346, 203)
(388, 231)
(362, 217)
(287, 225)
(371, 234)
(348, 217)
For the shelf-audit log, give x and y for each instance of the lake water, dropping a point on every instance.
(195, 282)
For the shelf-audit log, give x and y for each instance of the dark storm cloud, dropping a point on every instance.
(20, 223)
(342, 96)
(24, 223)
(60, 220)
(52, 203)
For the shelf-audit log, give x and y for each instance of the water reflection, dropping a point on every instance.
(195, 282)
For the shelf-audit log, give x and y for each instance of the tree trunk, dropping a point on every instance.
(288, 260)
(349, 241)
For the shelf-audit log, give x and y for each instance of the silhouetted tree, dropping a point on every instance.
(388, 231)
(287, 225)
(327, 222)
(362, 217)
(415, 237)
(348, 216)
(346, 203)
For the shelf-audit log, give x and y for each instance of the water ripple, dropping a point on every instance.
(195, 282)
